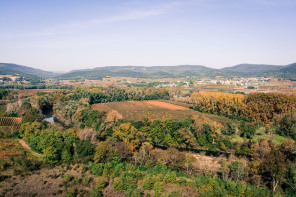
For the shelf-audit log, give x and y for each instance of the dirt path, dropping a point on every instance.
(26, 146)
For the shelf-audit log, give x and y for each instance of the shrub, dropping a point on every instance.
(237, 169)
(96, 193)
(136, 193)
(104, 152)
(68, 177)
(148, 183)
(170, 177)
(97, 169)
(101, 183)
(182, 181)
(228, 129)
(174, 194)
(77, 180)
(118, 169)
(118, 184)
(158, 188)
(84, 148)
(130, 183)
(86, 180)
(66, 155)
(71, 192)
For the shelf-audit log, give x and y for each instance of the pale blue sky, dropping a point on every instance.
(72, 34)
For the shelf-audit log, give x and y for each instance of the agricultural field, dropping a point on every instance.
(274, 86)
(10, 148)
(155, 109)
(9, 124)
(138, 110)
(10, 121)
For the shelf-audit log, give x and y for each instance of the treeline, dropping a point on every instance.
(37, 86)
(111, 94)
(262, 107)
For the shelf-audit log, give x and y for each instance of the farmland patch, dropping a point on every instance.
(10, 148)
(138, 110)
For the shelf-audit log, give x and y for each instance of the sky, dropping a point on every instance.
(64, 35)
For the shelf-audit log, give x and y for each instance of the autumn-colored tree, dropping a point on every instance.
(218, 103)
(253, 170)
(274, 167)
(129, 134)
(124, 151)
(260, 150)
(104, 152)
(145, 152)
(266, 106)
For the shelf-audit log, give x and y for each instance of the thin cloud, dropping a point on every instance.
(81, 25)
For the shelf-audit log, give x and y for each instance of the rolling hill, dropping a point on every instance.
(253, 68)
(242, 70)
(14, 69)
(140, 72)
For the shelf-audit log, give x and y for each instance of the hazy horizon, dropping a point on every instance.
(70, 35)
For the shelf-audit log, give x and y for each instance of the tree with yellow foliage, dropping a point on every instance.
(129, 134)
(218, 103)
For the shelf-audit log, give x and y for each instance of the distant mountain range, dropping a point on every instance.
(242, 70)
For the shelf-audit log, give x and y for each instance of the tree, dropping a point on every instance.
(273, 167)
(104, 152)
(129, 135)
(124, 151)
(237, 169)
(247, 130)
(50, 155)
(287, 126)
(228, 129)
(66, 155)
(84, 148)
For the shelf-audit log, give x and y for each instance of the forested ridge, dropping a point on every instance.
(241, 70)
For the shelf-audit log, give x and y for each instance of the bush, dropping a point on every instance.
(68, 177)
(170, 177)
(85, 148)
(97, 169)
(118, 184)
(148, 183)
(71, 192)
(237, 169)
(136, 193)
(77, 180)
(228, 129)
(247, 130)
(86, 180)
(104, 152)
(101, 183)
(158, 188)
(183, 181)
(96, 193)
(118, 169)
(174, 194)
